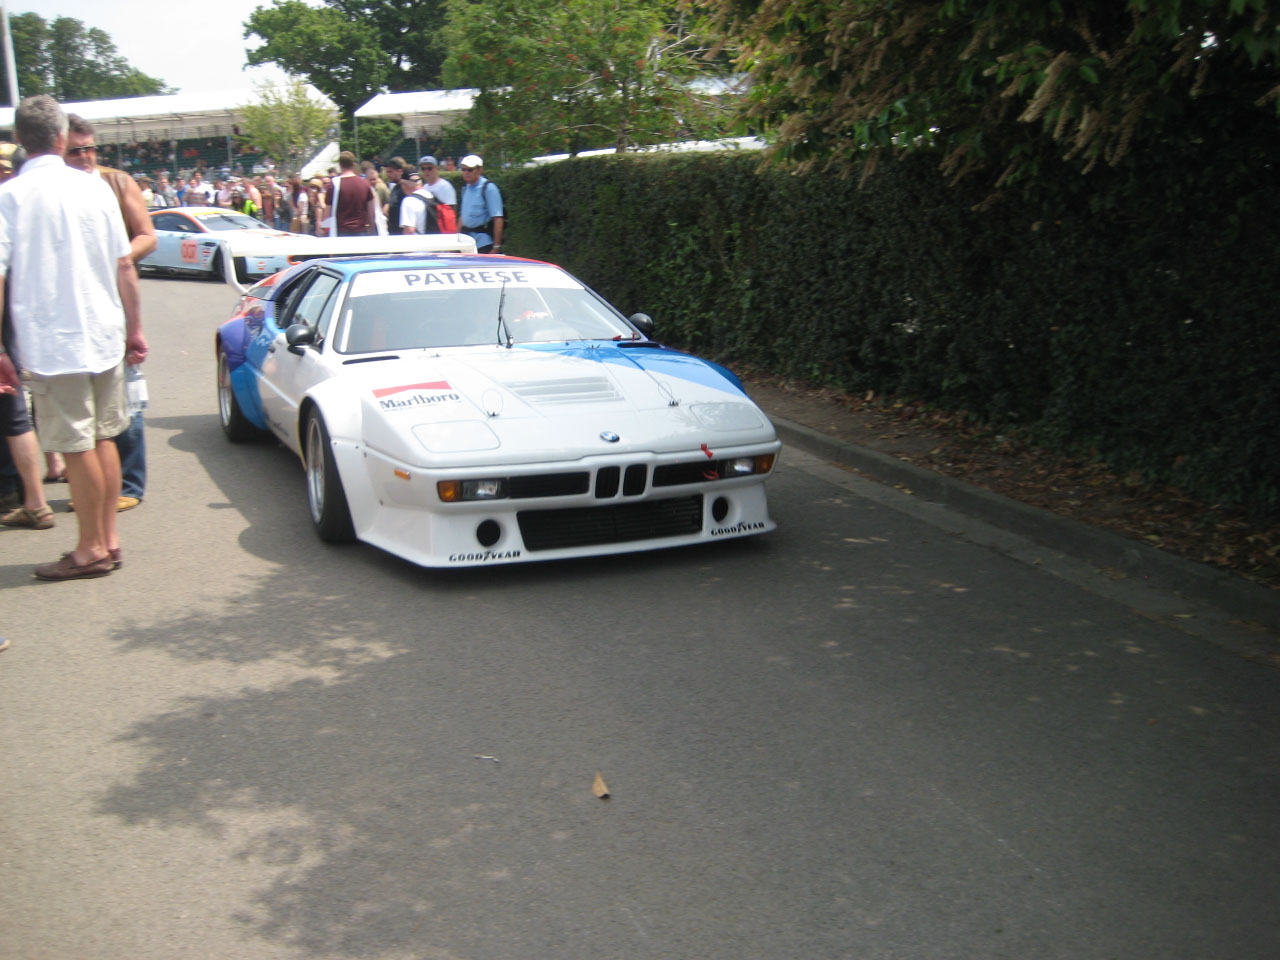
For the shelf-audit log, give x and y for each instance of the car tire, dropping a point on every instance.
(235, 424)
(216, 268)
(325, 497)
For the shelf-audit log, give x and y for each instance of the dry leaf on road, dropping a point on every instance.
(600, 788)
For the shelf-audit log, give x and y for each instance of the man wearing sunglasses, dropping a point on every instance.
(481, 208)
(82, 153)
(436, 185)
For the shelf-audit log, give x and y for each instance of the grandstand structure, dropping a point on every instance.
(175, 133)
(186, 131)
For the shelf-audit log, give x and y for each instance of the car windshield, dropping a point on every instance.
(230, 221)
(447, 307)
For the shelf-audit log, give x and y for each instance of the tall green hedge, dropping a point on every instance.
(1129, 316)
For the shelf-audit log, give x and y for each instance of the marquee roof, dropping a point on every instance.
(422, 109)
(179, 116)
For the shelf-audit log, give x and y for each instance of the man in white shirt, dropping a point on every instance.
(418, 209)
(439, 187)
(76, 310)
(205, 190)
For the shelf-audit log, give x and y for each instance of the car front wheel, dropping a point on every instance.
(328, 501)
(235, 424)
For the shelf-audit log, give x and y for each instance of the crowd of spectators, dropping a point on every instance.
(210, 155)
(202, 172)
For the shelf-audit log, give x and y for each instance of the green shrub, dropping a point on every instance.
(1128, 316)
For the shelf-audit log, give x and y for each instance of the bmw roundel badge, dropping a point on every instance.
(608, 436)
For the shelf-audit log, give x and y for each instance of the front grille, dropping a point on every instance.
(617, 523)
(632, 482)
(548, 485)
(607, 479)
(634, 479)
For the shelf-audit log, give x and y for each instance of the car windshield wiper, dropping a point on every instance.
(502, 321)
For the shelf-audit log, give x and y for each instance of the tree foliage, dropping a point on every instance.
(286, 124)
(351, 50)
(72, 62)
(578, 74)
(998, 85)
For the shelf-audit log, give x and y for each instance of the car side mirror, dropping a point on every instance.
(644, 323)
(299, 336)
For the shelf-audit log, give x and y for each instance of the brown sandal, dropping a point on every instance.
(39, 519)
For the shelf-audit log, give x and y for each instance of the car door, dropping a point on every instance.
(287, 374)
(176, 245)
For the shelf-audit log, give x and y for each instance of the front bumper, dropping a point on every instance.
(580, 508)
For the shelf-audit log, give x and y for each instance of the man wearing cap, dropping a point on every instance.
(435, 184)
(480, 211)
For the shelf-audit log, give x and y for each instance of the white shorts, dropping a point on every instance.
(76, 410)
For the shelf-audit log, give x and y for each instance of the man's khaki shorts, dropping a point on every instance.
(75, 411)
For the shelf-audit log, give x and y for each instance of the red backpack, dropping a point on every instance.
(446, 218)
(442, 215)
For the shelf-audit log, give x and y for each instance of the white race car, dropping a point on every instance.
(461, 410)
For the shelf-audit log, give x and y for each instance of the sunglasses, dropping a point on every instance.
(428, 166)
(76, 151)
(468, 169)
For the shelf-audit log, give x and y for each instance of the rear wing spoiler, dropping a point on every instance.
(299, 247)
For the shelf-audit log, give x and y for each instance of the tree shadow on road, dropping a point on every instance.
(418, 785)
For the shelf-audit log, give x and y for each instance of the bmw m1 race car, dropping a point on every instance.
(462, 410)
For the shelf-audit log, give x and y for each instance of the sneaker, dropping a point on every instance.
(40, 519)
(123, 504)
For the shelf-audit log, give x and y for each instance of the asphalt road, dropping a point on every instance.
(867, 735)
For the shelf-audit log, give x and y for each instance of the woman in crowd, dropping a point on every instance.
(316, 204)
(301, 221)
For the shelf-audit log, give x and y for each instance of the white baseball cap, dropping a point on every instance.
(471, 160)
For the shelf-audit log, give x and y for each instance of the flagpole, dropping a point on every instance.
(10, 64)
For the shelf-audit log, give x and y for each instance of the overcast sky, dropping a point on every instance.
(191, 45)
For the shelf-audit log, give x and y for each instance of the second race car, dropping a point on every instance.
(188, 241)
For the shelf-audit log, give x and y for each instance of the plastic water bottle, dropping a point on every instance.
(136, 389)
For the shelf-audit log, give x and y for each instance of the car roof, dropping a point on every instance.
(195, 211)
(365, 263)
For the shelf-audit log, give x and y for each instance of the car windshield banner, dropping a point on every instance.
(385, 282)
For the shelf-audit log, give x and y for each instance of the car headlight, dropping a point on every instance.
(456, 491)
(746, 466)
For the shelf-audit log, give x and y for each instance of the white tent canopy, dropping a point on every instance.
(421, 110)
(179, 116)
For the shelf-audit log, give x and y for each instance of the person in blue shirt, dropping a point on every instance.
(480, 209)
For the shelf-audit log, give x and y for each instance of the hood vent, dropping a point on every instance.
(572, 390)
